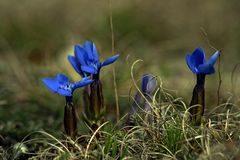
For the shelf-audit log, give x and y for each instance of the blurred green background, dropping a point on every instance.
(37, 35)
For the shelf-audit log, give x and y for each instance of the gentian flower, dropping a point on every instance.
(86, 60)
(62, 86)
(198, 64)
(148, 86)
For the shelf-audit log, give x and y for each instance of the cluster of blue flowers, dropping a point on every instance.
(86, 63)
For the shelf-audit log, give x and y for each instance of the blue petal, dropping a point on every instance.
(190, 64)
(149, 83)
(51, 84)
(75, 64)
(198, 57)
(152, 84)
(62, 79)
(145, 80)
(85, 78)
(83, 82)
(212, 60)
(64, 92)
(91, 50)
(110, 60)
(81, 54)
(206, 69)
(58, 84)
(89, 69)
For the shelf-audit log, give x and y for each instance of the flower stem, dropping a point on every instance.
(96, 102)
(70, 120)
(198, 100)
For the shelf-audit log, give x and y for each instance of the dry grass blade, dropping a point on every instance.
(92, 137)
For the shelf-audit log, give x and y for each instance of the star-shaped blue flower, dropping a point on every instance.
(61, 84)
(198, 64)
(86, 60)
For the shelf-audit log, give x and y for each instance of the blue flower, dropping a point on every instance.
(86, 60)
(149, 84)
(61, 84)
(198, 64)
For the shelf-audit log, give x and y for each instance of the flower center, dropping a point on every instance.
(67, 87)
(94, 65)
